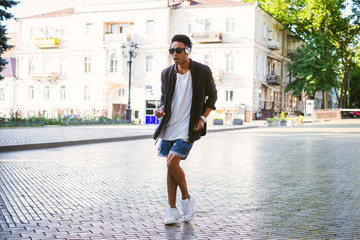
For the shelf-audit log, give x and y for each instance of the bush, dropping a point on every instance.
(65, 120)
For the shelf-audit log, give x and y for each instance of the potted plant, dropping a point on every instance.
(270, 122)
(283, 121)
(276, 121)
(237, 121)
(218, 121)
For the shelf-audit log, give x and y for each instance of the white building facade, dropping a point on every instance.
(70, 61)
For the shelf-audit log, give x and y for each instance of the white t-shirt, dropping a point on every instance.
(178, 125)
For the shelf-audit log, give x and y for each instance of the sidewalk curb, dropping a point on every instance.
(34, 146)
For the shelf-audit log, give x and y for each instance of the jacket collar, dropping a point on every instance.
(174, 67)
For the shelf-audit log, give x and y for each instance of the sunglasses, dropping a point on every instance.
(177, 50)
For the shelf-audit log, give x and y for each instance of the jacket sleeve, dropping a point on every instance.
(162, 98)
(210, 90)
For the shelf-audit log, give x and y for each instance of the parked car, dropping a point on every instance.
(354, 114)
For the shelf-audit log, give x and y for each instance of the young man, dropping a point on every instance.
(188, 96)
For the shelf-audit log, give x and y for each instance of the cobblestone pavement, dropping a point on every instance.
(262, 183)
(14, 139)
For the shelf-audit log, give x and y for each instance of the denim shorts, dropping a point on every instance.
(177, 147)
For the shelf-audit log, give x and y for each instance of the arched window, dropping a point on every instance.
(113, 63)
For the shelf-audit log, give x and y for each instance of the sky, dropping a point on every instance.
(33, 7)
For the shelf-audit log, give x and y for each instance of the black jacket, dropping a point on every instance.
(204, 95)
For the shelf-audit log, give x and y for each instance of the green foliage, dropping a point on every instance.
(308, 19)
(354, 99)
(314, 66)
(4, 4)
(304, 16)
(17, 121)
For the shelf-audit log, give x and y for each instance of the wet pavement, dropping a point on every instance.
(260, 183)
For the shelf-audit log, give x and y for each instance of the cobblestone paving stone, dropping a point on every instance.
(266, 183)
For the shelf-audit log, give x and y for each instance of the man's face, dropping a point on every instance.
(179, 58)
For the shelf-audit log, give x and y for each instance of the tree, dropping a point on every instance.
(314, 67)
(354, 83)
(308, 19)
(5, 4)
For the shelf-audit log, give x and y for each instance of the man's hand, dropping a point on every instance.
(200, 125)
(160, 111)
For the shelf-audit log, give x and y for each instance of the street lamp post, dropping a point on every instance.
(130, 53)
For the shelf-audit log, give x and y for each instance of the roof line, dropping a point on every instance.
(58, 13)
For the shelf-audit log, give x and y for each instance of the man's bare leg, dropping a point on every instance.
(176, 177)
(172, 189)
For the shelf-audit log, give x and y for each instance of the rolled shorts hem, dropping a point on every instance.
(177, 147)
(183, 156)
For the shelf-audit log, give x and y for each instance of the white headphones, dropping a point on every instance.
(187, 50)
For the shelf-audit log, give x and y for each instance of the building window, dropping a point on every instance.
(290, 77)
(121, 92)
(46, 63)
(61, 66)
(265, 31)
(270, 34)
(188, 26)
(229, 95)
(149, 63)
(62, 32)
(257, 65)
(208, 60)
(208, 25)
(31, 93)
(46, 93)
(264, 66)
(149, 26)
(116, 28)
(88, 29)
(230, 62)
(230, 25)
(31, 66)
(47, 32)
(113, 63)
(86, 93)
(62, 93)
(148, 90)
(2, 95)
(87, 61)
(32, 33)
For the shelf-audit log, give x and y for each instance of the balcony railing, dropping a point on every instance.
(273, 44)
(273, 79)
(121, 37)
(47, 43)
(42, 77)
(207, 37)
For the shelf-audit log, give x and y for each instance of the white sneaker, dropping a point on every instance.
(172, 215)
(188, 208)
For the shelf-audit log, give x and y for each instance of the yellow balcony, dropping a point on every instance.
(47, 43)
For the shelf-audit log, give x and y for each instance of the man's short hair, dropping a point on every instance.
(182, 38)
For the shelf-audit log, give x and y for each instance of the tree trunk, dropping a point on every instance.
(325, 100)
(344, 84)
